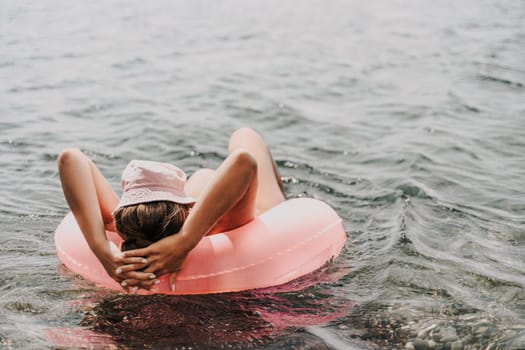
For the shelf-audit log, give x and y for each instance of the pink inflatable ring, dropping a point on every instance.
(290, 240)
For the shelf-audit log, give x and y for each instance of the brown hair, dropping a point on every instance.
(142, 224)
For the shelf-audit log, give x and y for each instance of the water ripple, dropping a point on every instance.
(406, 117)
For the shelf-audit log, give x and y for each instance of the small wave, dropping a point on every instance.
(61, 85)
(503, 81)
(130, 64)
(413, 190)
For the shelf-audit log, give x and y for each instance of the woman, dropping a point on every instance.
(167, 228)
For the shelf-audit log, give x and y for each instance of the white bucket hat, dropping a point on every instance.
(146, 181)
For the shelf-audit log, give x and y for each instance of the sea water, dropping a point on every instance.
(407, 117)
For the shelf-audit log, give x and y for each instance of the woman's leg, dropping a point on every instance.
(270, 188)
(198, 181)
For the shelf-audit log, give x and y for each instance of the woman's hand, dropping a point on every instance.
(112, 258)
(164, 256)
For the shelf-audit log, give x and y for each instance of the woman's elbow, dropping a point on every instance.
(244, 162)
(67, 156)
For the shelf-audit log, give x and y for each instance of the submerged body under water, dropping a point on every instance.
(407, 117)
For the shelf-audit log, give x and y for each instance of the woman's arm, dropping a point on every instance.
(91, 200)
(228, 201)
